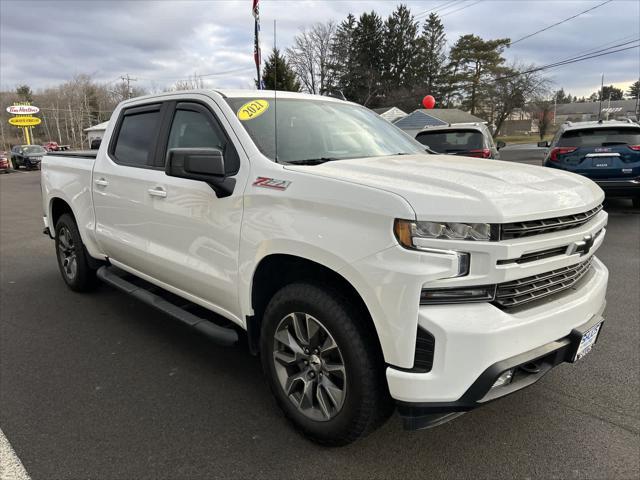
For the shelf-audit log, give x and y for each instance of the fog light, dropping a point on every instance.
(504, 379)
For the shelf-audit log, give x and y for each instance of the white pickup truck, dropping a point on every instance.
(368, 274)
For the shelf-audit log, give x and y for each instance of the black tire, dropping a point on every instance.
(72, 256)
(366, 401)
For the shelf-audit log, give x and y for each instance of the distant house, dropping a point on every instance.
(420, 119)
(97, 131)
(391, 114)
(587, 111)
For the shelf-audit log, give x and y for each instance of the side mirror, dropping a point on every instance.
(195, 163)
(544, 144)
(204, 164)
(500, 144)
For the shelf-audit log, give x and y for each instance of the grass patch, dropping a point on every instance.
(515, 139)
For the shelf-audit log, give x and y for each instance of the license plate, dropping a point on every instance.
(602, 162)
(587, 341)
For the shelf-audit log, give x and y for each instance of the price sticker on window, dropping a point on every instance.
(252, 109)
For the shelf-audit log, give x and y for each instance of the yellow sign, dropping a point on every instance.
(24, 121)
(252, 109)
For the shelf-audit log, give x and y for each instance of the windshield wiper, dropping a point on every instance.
(312, 161)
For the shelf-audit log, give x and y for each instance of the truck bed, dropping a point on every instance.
(75, 153)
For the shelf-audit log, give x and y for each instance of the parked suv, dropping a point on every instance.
(466, 139)
(27, 156)
(607, 152)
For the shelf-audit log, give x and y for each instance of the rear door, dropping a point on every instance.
(122, 178)
(600, 153)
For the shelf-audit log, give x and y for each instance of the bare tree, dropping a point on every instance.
(511, 89)
(542, 113)
(193, 82)
(310, 57)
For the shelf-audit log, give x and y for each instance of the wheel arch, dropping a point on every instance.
(276, 270)
(58, 206)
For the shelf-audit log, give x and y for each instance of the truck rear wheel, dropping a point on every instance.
(72, 257)
(321, 364)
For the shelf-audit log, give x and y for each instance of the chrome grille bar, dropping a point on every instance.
(528, 289)
(538, 227)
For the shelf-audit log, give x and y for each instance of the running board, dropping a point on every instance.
(221, 335)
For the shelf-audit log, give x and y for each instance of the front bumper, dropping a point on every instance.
(473, 341)
(629, 187)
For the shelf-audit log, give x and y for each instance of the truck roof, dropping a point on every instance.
(238, 93)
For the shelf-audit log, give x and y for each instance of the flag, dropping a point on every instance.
(256, 43)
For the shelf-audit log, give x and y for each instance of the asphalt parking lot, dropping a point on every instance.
(101, 386)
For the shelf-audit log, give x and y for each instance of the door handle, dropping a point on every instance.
(101, 182)
(157, 192)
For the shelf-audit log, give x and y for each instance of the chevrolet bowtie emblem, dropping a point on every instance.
(582, 247)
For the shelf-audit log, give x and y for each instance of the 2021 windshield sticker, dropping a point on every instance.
(252, 109)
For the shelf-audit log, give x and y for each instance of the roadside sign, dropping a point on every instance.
(22, 109)
(24, 121)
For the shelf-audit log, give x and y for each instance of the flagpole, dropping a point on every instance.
(256, 46)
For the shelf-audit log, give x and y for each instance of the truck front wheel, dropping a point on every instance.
(321, 364)
(71, 255)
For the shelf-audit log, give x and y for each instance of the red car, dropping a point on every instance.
(54, 147)
(4, 162)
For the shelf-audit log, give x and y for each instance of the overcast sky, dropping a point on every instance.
(43, 43)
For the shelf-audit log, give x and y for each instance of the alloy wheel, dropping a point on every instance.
(67, 253)
(309, 366)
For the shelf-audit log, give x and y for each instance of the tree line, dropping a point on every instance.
(398, 60)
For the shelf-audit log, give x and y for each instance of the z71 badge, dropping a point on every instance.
(274, 183)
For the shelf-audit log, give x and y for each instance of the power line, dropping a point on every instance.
(568, 61)
(461, 8)
(560, 22)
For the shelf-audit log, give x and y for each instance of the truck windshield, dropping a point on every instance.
(317, 131)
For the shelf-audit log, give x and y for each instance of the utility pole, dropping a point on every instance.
(638, 103)
(601, 95)
(128, 80)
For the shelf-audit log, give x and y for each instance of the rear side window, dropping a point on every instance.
(600, 137)
(135, 144)
(452, 141)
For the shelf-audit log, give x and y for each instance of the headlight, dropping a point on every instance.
(409, 232)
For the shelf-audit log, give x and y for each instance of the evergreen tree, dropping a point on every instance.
(399, 50)
(609, 92)
(634, 90)
(277, 69)
(474, 62)
(342, 57)
(431, 59)
(24, 93)
(367, 63)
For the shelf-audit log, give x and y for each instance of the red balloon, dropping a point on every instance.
(428, 102)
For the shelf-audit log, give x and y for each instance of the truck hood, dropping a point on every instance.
(448, 188)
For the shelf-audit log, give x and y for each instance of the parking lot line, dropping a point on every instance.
(11, 467)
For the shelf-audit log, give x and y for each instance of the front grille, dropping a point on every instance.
(518, 292)
(538, 227)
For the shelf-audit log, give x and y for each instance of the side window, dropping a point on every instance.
(197, 128)
(135, 144)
